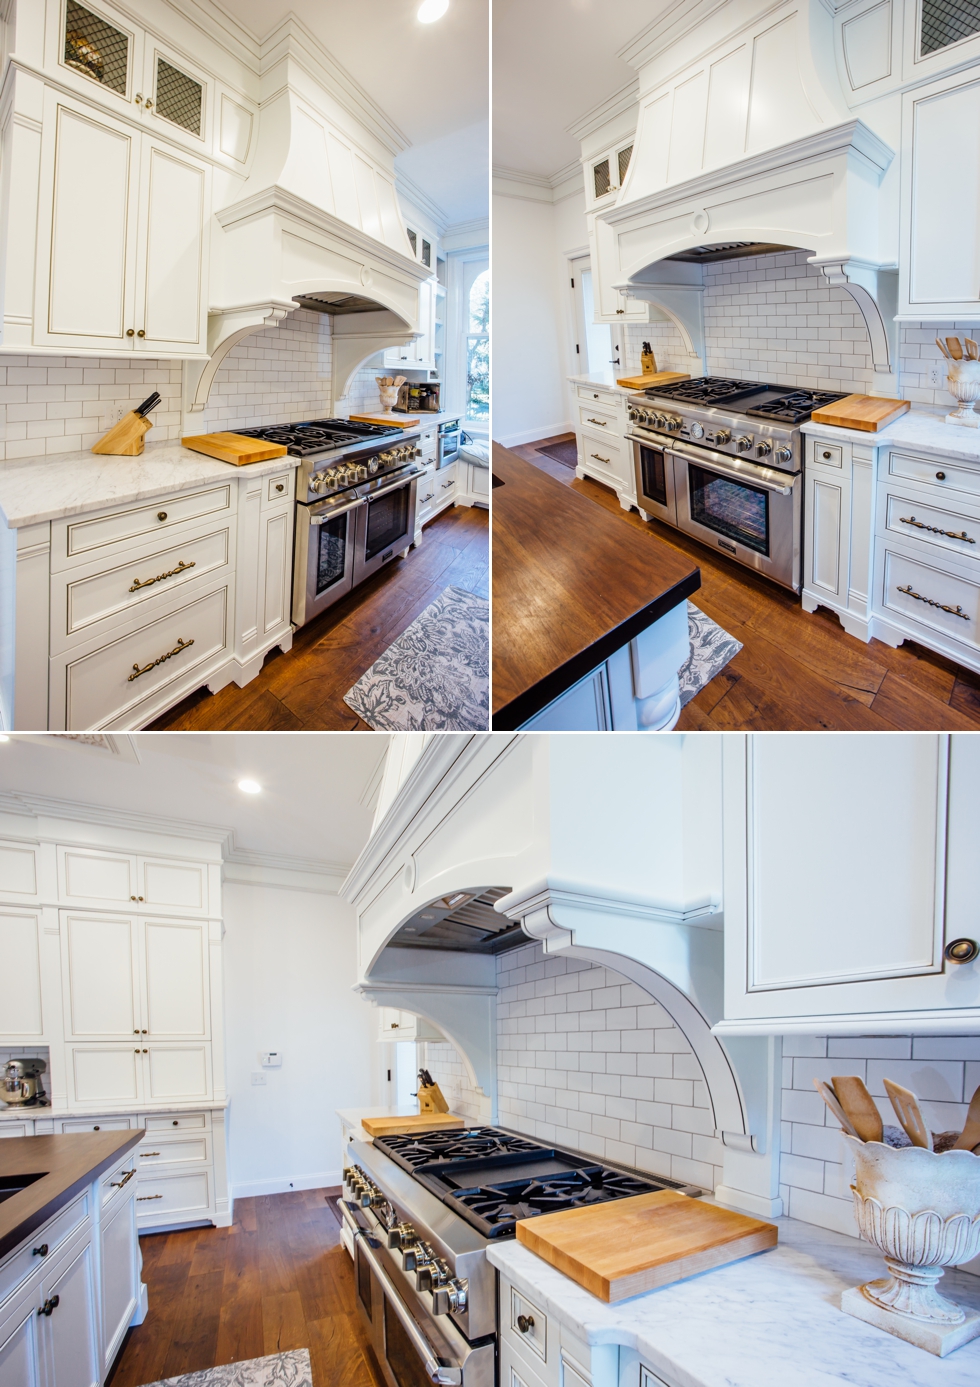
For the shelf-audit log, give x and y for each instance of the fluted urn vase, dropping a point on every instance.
(963, 383)
(922, 1211)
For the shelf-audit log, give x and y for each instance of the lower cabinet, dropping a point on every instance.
(120, 1264)
(50, 1330)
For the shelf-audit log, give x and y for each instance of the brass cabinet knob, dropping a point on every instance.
(961, 950)
(141, 333)
(161, 515)
(130, 332)
(525, 1322)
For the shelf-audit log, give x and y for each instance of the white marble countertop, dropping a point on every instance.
(772, 1320)
(423, 416)
(18, 1112)
(914, 429)
(602, 380)
(33, 490)
(354, 1116)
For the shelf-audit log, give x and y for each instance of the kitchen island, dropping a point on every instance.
(589, 617)
(772, 1320)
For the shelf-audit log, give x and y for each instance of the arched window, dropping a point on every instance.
(478, 348)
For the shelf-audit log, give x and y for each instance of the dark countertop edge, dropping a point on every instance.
(514, 714)
(9, 1242)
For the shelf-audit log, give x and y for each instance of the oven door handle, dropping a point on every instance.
(759, 476)
(321, 518)
(437, 1372)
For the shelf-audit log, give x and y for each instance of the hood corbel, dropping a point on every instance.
(874, 288)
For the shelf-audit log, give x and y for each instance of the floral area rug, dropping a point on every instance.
(436, 676)
(290, 1369)
(711, 649)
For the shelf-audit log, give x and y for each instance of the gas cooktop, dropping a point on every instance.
(782, 404)
(492, 1177)
(319, 435)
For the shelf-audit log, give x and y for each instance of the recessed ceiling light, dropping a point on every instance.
(249, 787)
(432, 9)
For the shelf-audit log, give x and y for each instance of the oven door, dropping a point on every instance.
(385, 527)
(751, 513)
(323, 568)
(654, 479)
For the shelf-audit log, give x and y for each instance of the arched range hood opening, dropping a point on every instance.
(339, 303)
(462, 923)
(727, 250)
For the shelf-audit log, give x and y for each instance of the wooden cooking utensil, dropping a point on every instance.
(970, 1135)
(942, 347)
(909, 1114)
(955, 350)
(829, 1097)
(972, 349)
(859, 1106)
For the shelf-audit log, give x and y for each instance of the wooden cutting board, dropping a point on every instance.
(419, 1122)
(634, 1245)
(234, 448)
(400, 421)
(866, 412)
(657, 378)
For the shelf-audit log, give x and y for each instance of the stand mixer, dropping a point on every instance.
(20, 1083)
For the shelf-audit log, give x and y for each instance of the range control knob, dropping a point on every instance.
(744, 443)
(450, 1297)
(784, 454)
(764, 448)
(360, 474)
(672, 422)
(402, 1235)
(416, 1255)
(720, 436)
(634, 415)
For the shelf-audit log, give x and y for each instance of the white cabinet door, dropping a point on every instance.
(275, 561)
(70, 1333)
(105, 1074)
(20, 1358)
(177, 1073)
(827, 534)
(175, 979)
(87, 217)
(847, 912)
(18, 870)
(173, 885)
(171, 305)
(940, 218)
(120, 1265)
(100, 957)
(89, 877)
(21, 1015)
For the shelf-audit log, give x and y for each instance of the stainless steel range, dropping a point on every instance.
(355, 503)
(723, 461)
(419, 1212)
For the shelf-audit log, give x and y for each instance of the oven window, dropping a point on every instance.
(387, 521)
(653, 469)
(736, 509)
(401, 1356)
(363, 1279)
(331, 559)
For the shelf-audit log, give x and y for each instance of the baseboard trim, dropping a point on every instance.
(283, 1184)
(515, 440)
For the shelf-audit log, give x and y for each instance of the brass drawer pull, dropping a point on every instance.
(148, 582)
(935, 530)
(181, 645)
(118, 1184)
(599, 459)
(50, 1305)
(953, 611)
(142, 1198)
(601, 422)
(148, 1153)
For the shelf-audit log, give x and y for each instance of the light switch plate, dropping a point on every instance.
(257, 1076)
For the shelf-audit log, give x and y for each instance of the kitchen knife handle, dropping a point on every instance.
(149, 403)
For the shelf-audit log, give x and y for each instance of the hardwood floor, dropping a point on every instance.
(277, 1279)
(796, 671)
(304, 689)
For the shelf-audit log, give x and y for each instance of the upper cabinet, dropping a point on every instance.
(850, 882)
(90, 877)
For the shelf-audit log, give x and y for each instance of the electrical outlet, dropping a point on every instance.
(257, 1076)
(936, 373)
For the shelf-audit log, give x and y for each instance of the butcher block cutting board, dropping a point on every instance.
(633, 1245)
(866, 412)
(657, 378)
(398, 421)
(417, 1122)
(234, 448)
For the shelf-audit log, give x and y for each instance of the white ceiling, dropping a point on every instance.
(554, 60)
(314, 803)
(431, 80)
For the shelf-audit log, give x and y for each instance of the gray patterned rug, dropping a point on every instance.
(290, 1369)
(566, 451)
(711, 649)
(436, 676)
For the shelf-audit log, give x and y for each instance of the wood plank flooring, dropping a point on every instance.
(796, 671)
(303, 690)
(277, 1279)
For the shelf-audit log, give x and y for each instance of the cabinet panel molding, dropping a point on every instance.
(175, 978)
(88, 876)
(21, 1012)
(110, 1074)
(18, 870)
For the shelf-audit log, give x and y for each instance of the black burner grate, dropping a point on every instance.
(475, 1143)
(494, 1209)
(317, 435)
(795, 407)
(709, 390)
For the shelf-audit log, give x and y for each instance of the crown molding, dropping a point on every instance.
(605, 111)
(479, 226)
(411, 191)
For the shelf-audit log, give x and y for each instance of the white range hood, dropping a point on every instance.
(317, 225)
(743, 136)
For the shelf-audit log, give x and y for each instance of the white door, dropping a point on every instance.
(87, 217)
(120, 1263)
(177, 1073)
(173, 885)
(105, 1074)
(276, 557)
(70, 1333)
(175, 978)
(88, 877)
(20, 1364)
(594, 345)
(171, 274)
(100, 976)
(21, 1016)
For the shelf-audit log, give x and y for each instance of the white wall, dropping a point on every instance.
(290, 963)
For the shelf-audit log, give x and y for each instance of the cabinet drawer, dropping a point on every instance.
(190, 1122)
(281, 487)
(175, 1150)
(426, 493)
(941, 599)
(94, 1124)
(944, 529)
(445, 480)
(116, 1182)
(73, 540)
(516, 1371)
(602, 419)
(604, 454)
(92, 597)
(826, 454)
(592, 396)
(184, 1194)
(527, 1325)
(940, 475)
(102, 685)
(16, 1129)
(15, 1270)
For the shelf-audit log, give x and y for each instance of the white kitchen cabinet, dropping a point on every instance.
(18, 871)
(123, 1076)
(21, 1006)
(405, 1025)
(70, 1334)
(119, 1265)
(826, 542)
(275, 565)
(91, 877)
(20, 1356)
(122, 257)
(844, 922)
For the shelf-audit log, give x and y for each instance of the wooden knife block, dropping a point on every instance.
(431, 1099)
(124, 439)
